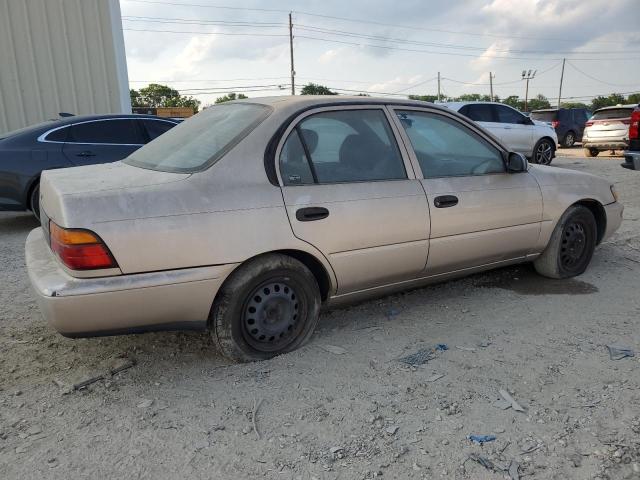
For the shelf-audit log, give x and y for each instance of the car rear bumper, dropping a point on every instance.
(631, 160)
(614, 218)
(85, 307)
(605, 144)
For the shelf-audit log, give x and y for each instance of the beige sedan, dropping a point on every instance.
(245, 219)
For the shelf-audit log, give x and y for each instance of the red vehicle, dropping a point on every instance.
(632, 155)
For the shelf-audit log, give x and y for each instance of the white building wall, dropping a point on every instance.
(60, 56)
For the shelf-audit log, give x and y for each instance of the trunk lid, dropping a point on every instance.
(82, 196)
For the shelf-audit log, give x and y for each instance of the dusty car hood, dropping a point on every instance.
(85, 195)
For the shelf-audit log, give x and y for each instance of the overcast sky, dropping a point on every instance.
(385, 46)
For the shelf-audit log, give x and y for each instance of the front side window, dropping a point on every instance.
(200, 141)
(508, 115)
(446, 148)
(341, 146)
(122, 132)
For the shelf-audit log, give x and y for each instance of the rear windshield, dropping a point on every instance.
(200, 141)
(612, 113)
(544, 116)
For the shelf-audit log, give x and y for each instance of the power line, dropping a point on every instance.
(210, 80)
(186, 21)
(599, 80)
(223, 7)
(233, 34)
(415, 85)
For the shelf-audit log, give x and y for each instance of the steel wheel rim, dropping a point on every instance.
(271, 316)
(570, 140)
(574, 245)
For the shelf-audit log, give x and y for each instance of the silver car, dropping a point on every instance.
(607, 129)
(247, 218)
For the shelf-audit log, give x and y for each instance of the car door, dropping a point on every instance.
(102, 141)
(350, 191)
(480, 214)
(516, 129)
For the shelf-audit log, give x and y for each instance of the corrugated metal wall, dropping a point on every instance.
(60, 56)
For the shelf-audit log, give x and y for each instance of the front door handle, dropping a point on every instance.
(311, 214)
(86, 153)
(445, 201)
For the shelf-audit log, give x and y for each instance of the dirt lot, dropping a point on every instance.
(351, 412)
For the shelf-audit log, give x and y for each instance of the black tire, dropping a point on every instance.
(34, 200)
(569, 139)
(591, 152)
(543, 152)
(571, 245)
(283, 296)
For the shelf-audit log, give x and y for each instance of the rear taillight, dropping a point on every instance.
(555, 124)
(80, 249)
(634, 125)
(588, 124)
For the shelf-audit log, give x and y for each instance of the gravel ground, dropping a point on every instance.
(344, 407)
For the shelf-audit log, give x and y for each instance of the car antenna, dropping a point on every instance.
(65, 114)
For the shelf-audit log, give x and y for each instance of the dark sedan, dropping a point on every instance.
(68, 142)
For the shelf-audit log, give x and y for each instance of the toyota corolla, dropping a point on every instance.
(247, 218)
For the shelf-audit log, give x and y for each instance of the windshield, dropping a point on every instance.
(612, 113)
(544, 116)
(200, 141)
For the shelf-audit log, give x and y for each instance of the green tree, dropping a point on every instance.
(610, 101)
(538, 102)
(633, 98)
(514, 101)
(472, 97)
(315, 89)
(574, 105)
(155, 95)
(229, 97)
(425, 98)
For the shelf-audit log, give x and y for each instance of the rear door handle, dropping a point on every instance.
(85, 154)
(445, 201)
(311, 214)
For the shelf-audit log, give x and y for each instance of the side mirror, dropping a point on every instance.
(517, 163)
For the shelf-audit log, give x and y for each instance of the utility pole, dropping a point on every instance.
(527, 76)
(293, 71)
(561, 79)
(438, 86)
(491, 84)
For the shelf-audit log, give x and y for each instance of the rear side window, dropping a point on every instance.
(478, 113)
(612, 113)
(115, 132)
(202, 140)
(342, 146)
(544, 116)
(155, 128)
(59, 135)
(446, 148)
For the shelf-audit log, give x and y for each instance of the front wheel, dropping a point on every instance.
(267, 307)
(571, 245)
(543, 152)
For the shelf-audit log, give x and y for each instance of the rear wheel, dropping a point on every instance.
(543, 152)
(34, 201)
(591, 152)
(267, 307)
(571, 246)
(569, 139)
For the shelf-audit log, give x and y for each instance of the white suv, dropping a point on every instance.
(536, 140)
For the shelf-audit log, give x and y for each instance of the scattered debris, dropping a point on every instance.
(501, 404)
(434, 378)
(87, 382)
(480, 439)
(513, 470)
(618, 352)
(423, 355)
(256, 406)
(333, 349)
(392, 429)
(335, 450)
(485, 462)
(466, 349)
(508, 398)
(531, 449)
(146, 403)
(121, 365)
